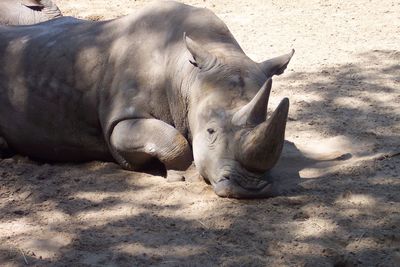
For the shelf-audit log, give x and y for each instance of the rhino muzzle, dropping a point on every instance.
(231, 189)
(237, 182)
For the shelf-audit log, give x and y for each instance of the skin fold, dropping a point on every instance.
(25, 12)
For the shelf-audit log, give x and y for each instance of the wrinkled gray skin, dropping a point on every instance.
(25, 12)
(136, 89)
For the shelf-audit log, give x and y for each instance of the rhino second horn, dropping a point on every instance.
(261, 148)
(255, 112)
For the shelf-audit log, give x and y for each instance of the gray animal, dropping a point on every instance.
(153, 86)
(24, 12)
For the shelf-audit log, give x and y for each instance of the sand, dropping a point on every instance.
(337, 183)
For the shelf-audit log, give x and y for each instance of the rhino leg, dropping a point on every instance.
(136, 141)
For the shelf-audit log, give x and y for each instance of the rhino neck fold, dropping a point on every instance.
(182, 77)
(52, 13)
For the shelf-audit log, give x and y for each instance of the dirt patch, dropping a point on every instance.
(338, 178)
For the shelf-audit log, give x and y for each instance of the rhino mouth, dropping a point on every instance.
(231, 189)
(237, 182)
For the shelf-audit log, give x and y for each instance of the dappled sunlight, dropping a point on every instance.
(315, 227)
(336, 184)
(19, 226)
(52, 217)
(114, 213)
(96, 213)
(96, 197)
(385, 181)
(313, 173)
(359, 166)
(99, 166)
(344, 102)
(161, 251)
(363, 243)
(48, 245)
(356, 200)
(45, 240)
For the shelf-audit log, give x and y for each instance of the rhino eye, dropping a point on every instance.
(210, 130)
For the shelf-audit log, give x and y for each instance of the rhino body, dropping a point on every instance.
(25, 12)
(150, 86)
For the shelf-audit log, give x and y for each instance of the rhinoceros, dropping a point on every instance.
(168, 84)
(24, 12)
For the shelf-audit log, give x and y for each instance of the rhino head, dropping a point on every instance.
(234, 140)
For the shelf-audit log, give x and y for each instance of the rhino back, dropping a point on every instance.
(48, 90)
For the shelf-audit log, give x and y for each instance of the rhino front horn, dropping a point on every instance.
(261, 148)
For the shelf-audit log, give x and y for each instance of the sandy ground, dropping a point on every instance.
(344, 87)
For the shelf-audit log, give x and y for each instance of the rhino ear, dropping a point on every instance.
(276, 65)
(201, 57)
(32, 3)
